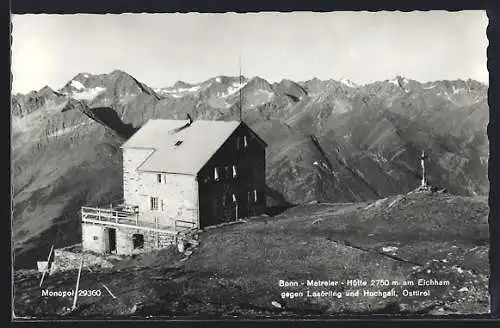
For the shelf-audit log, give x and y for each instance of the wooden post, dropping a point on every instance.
(236, 211)
(136, 219)
(77, 284)
(48, 265)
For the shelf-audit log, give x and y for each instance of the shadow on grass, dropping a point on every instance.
(280, 204)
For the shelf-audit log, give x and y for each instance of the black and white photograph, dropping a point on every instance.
(265, 165)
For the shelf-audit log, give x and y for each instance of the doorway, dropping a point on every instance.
(112, 240)
(138, 240)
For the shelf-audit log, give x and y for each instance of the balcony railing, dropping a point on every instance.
(132, 219)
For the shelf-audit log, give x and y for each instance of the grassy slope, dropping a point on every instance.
(235, 270)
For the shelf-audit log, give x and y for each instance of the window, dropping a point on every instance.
(241, 142)
(234, 171)
(226, 172)
(161, 178)
(224, 201)
(138, 240)
(95, 238)
(154, 203)
(238, 143)
(216, 173)
(253, 197)
(234, 198)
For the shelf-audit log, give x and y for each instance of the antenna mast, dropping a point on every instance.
(241, 103)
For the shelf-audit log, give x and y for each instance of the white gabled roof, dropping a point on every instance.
(199, 142)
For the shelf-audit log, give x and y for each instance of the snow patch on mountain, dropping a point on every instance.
(233, 88)
(77, 85)
(192, 89)
(400, 82)
(258, 98)
(394, 81)
(88, 94)
(348, 83)
(177, 92)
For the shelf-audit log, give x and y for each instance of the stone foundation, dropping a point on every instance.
(128, 241)
(150, 241)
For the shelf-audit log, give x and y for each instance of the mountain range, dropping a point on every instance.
(329, 141)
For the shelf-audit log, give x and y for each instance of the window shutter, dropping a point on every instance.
(255, 198)
(238, 143)
(234, 171)
(216, 174)
(245, 141)
(158, 177)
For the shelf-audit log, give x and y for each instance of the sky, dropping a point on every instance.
(160, 49)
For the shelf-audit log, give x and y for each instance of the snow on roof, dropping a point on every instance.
(180, 150)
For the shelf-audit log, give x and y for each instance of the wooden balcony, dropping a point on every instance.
(132, 220)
